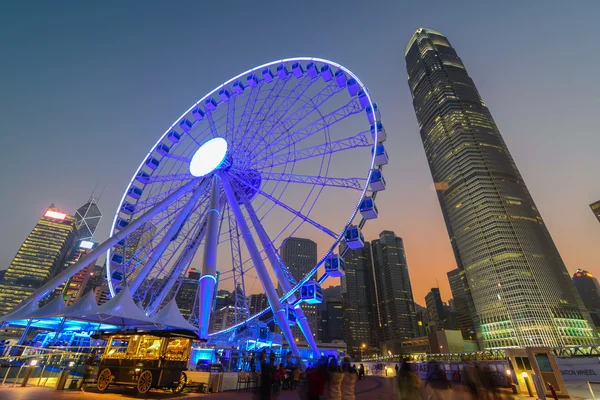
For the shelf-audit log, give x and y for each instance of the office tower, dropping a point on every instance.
(519, 287)
(359, 304)
(589, 290)
(88, 217)
(186, 295)
(257, 303)
(422, 317)
(38, 258)
(435, 309)
(74, 288)
(394, 292)
(330, 318)
(461, 304)
(300, 256)
(221, 319)
(596, 209)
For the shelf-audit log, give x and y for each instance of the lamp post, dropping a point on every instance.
(362, 347)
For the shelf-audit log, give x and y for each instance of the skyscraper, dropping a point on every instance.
(300, 256)
(39, 257)
(589, 290)
(361, 319)
(435, 309)
(330, 316)
(88, 217)
(596, 209)
(186, 295)
(394, 292)
(461, 304)
(516, 281)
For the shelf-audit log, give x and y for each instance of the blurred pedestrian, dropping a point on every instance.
(408, 383)
(349, 381)
(333, 389)
(361, 371)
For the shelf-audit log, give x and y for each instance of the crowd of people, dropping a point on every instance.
(332, 379)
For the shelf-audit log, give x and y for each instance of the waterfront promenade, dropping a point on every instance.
(371, 388)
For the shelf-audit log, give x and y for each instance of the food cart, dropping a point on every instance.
(146, 360)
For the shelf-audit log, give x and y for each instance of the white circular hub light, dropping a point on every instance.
(208, 157)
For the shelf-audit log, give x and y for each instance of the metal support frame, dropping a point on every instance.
(277, 265)
(167, 239)
(259, 266)
(207, 282)
(105, 246)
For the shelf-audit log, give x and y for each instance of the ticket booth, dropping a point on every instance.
(535, 367)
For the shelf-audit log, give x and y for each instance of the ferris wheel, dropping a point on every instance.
(289, 148)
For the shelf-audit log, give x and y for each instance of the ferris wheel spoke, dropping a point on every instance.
(290, 209)
(230, 121)
(359, 140)
(251, 131)
(172, 156)
(279, 132)
(169, 236)
(248, 111)
(283, 108)
(351, 108)
(211, 124)
(348, 183)
(183, 260)
(169, 178)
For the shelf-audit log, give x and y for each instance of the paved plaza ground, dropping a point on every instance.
(371, 388)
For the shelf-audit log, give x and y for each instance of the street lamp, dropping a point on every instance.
(362, 347)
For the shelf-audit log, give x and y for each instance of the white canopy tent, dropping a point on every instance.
(171, 317)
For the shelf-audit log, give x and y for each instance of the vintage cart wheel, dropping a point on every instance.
(181, 384)
(144, 382)
(104, 379)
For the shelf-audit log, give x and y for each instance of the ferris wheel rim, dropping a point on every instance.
(211, 93)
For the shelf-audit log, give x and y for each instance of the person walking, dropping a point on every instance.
(408, 383)
(333, 389)
(361, 371)
(349, 381)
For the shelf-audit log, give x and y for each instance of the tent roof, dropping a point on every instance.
(21, 313)
(120, 310)
(56, 306)
(83, 306)
(171, 316)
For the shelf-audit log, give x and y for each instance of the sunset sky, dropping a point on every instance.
(86, 88)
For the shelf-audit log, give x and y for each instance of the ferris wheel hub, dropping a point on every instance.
(208, 157)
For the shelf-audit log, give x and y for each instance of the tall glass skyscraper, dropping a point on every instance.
(300, 256)
(518, 287)
(359, 302)
(395, 304)
(39, 257)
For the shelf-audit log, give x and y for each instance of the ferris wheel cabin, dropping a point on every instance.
(381, 135)
(381, 156)
(377, 183)
(335, 266)
(354, 237)
(369, 111)
(368, 209)
(311, 293)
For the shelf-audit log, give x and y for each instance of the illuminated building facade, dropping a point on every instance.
(300, 256)
(435, 309)
(88, 217)
(596, 209)
(74, 288)
(39, 257)
(330, 316)
(186, 295)
(461, 304)
(359, 303)
(589, 290)
(515, 279)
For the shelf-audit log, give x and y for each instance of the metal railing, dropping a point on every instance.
(35, 366)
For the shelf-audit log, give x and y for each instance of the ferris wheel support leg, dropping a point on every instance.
(106, 245)
(259, 266)
(207, 282)
(166, 240)
(276, 264)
